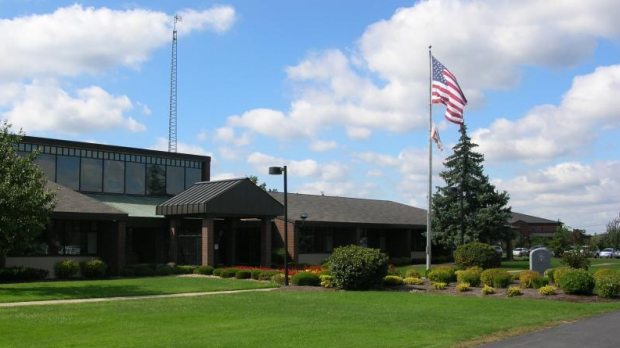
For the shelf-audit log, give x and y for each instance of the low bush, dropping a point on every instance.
(21, 274)
(255, 273)
(243, 274)
(462, 287)
(577, 282)
(306, 279)
(547, 290)
(540, 282)
(183, 269)
(477, 254)
(470, 275)
(228, 272)
(602, 272)
(327, 281)
(163, 270)
(217, 271)
(576, 260)
(514, 291)
(558, 274)
(412, 273)
(204, 270)
(392, 280)
(488, 290)
(549, 274)
(142, 271)
(413, 281)
(267, 275)
(393, 271)
(358, 268)
(278, 278)
(442, 274)
(496, 277)
(440, 286)
(607, 285)
(66, 269)
(325, 272)
(527, 277)
(94, 269)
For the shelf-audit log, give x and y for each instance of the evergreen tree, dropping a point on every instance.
(25, 203)
(485, 210)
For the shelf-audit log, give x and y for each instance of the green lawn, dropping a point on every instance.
(61, 290)
(284, 319)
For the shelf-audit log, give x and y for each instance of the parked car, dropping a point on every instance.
(607, 253)
(520, 252)
(498, 248)
(617, 254)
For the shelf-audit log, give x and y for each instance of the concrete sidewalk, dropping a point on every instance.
(126, 298)
(602, 331)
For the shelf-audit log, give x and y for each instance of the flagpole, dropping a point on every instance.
(430, 159)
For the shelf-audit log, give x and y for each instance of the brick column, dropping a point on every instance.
(265, 242)
(208, 242)
(173, 253)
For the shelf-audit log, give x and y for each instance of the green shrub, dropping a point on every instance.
(602, 272)
(607, 285)
(540, 282)
(549, 273)
(412, 273)
(278, 278)
(94, 269)
(488, 290)
(163, 270)
(439, 286)
(527, 277)
(442, 274)
(66, 269)
(19, 274)
(496, 277)
(267, 275)
(183, 269)
(204, 270)
(547, 290)
(477, 254)
(229, 272)
(559, 274)
(217, 271)
(142, 270)
(577, 282)
(514, 291)
(470, 275)
(325, 272)
(243, 274)
(358, 268)
(255, 272)
(413, 281)
(327, 281)
(462, 287)
(576, 260)
(392, 280)
(306, 279)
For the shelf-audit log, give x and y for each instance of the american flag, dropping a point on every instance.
(446, 90)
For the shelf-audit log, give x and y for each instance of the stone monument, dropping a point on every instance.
(540, 260)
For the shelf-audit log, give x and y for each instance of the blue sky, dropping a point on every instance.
(338, 91)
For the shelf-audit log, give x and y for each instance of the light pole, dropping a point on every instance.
(279, 171)
(459, 190)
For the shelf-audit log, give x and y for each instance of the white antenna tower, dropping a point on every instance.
(172, 121)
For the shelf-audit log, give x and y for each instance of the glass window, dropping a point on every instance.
(134, 178)
(155, 180)
(192, 176)
(114, 176)
(47, 163)
(92, 171)
(68, 172)
(175, 180)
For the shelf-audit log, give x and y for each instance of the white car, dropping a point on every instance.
(607, 253)
(617, 254)
(498, 248)
(520, 252)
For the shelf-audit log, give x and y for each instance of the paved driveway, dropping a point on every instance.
(602, 331)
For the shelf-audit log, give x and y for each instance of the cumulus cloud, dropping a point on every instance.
(346, 189)
(332, 171)
(228, 135)
(547, 131)
(218, 19)
(322, 145)
(45, 106)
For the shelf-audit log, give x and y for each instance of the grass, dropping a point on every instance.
(63, 290)
(285, 319)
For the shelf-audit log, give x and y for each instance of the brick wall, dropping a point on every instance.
(292, 245)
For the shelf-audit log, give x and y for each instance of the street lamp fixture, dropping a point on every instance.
(280, 171)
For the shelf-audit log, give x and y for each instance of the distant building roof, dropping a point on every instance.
(74, 204)
(530, 219)
(330, 209)
(134, 206)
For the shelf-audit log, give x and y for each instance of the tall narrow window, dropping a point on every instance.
(92, 175)
(114, 176)
(134, 178)
(68, 172)
(155, 180)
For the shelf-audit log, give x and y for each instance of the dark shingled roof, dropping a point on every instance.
(330, 209)
(233, 197)
(69, 203)
(516, 217)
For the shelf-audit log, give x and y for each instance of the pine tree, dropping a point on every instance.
(485, 210)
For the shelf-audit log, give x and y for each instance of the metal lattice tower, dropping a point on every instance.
(172, 121)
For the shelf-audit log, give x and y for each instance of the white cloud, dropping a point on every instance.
(44, 106)
(144, 109)
(332, 171)
(162, 145)
(227, 135)
(578, 194)
(224, 176)
(323, 145)
(218, 19)
(230, 154)
(358, 133)
(343, 189)
(548, 132)
(267, 122)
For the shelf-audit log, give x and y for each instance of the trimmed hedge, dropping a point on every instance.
(412, 273)
(20, 274)
(94, 269)
(577, 282)
(229, 272)
(267, 275)
(607, 285)
(66, 269)
(184, 269)
(163, 270)
(477, 254)
(470, 275)
(392, 280)
(526, 278)
(243, 274)
(204, 270)
(558, 274)
(358, 268)
(306, 279)
(442, 274)
(496, 277)
(217, 271)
